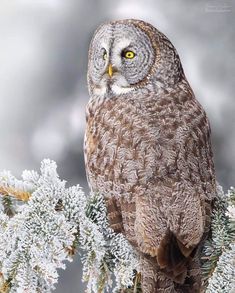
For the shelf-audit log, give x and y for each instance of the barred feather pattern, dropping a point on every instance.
(148, 152)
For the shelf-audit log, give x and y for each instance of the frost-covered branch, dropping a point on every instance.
(43, 223)
(34, 237)
(219, 252)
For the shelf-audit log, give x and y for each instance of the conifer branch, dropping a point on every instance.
(219, 252)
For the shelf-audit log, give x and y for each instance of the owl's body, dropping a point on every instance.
(148, 152)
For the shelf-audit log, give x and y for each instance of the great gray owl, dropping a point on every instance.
(148, 151)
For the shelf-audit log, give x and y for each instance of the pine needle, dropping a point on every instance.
(18, 194)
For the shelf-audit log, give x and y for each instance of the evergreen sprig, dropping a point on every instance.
(218, 255)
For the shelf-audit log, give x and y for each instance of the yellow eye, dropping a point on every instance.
(128, 54)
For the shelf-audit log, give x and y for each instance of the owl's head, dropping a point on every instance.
(129, 54)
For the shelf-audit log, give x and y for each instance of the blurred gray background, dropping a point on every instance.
(43, 92)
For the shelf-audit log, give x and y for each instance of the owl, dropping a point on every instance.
(148, 152)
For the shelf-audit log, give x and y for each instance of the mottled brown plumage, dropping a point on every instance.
(148, 151)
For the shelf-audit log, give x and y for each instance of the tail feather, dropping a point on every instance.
(173, 257)
(156, 280)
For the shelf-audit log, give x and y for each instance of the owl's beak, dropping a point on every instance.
(110, 70)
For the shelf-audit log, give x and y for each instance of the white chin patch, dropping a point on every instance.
(116, 89)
